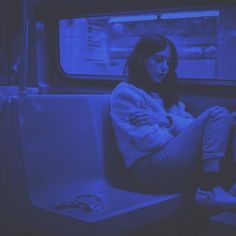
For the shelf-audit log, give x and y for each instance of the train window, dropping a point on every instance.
(3, 54)
(205, 41)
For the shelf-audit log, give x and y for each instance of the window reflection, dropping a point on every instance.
(205, 42)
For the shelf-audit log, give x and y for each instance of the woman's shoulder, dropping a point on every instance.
(126, 93)
(126, 89)
(124, 86)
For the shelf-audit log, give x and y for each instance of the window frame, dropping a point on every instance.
(83, 78)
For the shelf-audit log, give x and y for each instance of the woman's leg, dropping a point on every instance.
(175, 166)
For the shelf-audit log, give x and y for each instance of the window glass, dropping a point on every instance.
(205, 41)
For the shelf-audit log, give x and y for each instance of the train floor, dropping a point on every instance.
(194, 222)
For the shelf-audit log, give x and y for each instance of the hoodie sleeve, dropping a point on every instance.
(181, 111)
(180, 118)
(145, 137)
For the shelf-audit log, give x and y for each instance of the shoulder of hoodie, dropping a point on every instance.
(125, 89)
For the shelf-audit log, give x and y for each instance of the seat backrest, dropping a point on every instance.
(115, 171)
(58, 141)
(196, 104)
(67, 138)
(4, 123)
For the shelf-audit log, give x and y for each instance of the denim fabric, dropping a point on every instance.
(176, 166)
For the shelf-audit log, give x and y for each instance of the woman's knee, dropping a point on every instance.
(219, 111)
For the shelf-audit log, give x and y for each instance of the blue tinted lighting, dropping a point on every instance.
(178, 15)
(132, 18)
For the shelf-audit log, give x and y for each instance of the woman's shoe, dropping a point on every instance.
(217, 198)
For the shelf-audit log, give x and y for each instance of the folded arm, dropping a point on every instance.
(145, 130)
(180, 118)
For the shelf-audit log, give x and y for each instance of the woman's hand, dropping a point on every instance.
(147, 117)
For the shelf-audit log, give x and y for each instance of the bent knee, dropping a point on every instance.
(219, 109)
(220, 112)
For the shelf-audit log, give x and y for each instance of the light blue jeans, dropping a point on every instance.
(200, 146)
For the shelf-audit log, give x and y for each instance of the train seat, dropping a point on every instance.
(59, 179)
(3, 158)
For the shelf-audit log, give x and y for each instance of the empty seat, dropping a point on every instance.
(3, 158)
(63, 148)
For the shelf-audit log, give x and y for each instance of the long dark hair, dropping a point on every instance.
(138, 75)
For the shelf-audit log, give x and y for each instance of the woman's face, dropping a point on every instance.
(157, 65)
